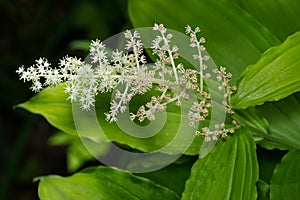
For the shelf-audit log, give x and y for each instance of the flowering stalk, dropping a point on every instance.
(85, 80)
(195, 42)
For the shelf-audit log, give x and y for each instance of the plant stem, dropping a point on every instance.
(200, 66)
(171, 58)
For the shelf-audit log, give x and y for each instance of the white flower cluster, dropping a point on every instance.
(129, 69)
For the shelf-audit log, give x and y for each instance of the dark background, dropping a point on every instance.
(31, 29)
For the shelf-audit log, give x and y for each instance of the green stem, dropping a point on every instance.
(200, 67)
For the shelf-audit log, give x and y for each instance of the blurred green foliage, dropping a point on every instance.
(31, 29)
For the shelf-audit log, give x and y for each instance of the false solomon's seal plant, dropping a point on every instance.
(105, 73)
(261, 54)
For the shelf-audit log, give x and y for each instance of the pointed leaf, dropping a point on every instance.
(273, 77)
(52, 103)
(285, 183)
(252, 119)
(172, 176)
(283, 118)
(274, 124)
(275, 15)
(234, 38)
(258, 124)
(101, 183)
(230, 171)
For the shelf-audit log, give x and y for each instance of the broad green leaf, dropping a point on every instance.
(273, 77)
(280, 17)
(101, 183)
(172, 176)
(283, 118)
(252, 119)
(258, 124)
(52, 103)
(230, 171)
(234, 38)
(285, 183)
(271, 144)
(274, 124)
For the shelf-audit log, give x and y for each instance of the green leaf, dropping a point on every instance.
(273, 77)
(252, 119)
(274, 124)
(101, 183)
(258, 124)
(172, 176)
(275, 15)
(234, 38)
(285, 183)
(270, 144)
(230, 171)
(52, 103)
(283, 118)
